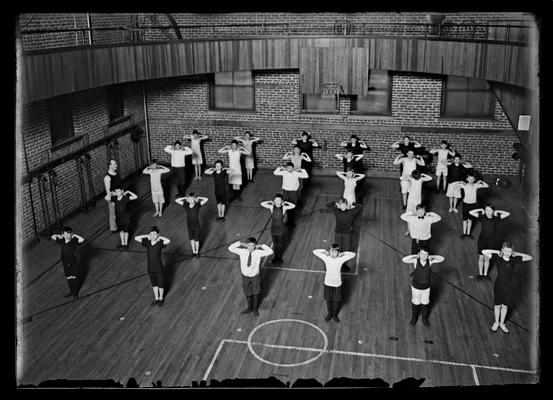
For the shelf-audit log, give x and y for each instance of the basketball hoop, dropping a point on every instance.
(329, 90)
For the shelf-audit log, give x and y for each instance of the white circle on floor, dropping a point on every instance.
(322, 351)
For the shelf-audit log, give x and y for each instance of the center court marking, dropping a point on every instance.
(321, 351)
(359, 354)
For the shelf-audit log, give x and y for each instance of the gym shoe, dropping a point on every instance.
(154, 302)
(256, 313)
(479, 277)
(503, 328)
(335, 318)
(328, 317)
(160, 302)
(487, 277)
(413, 321)
(495, 326)
(455, 211)
(426, 323)
(246, 311)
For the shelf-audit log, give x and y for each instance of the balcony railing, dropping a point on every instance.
(38, 39)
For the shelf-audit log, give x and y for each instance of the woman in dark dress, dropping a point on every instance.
(69, 241)
(120, 198)
(220, 178)
(505, 260)
(192, 204)
(306, 145)
(278, 210)
(154, 243)
(489, 218)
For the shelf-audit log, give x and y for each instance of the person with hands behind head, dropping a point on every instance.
(489, 219)
(69, 241)
(121, 198)
(420, 286)
(457, 171)
(178, 159)
(234, 153)
(290, 186)
(505, 260)
(444, 153)
(220, 178)
(197, 158)
(355, 144)
(155, 171)
(249, 159)
(192, 203)
(350, 182)
(154, 243)
(333, 259)
(250, 254)
(278, 209)
(350, 160)
(419, 226)
(469, 200)
(409, 164)
(306, 145)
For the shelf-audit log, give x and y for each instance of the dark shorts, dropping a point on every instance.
(502, 294)
(344, 240)
(70, 268)
(194, 233)
(415, 246)
(251, 285)
(466, 209)
(180, 173)
(123, 227)
(331, 293)
(157, 279)
(291, 196)
(485, 243)
(221, 198)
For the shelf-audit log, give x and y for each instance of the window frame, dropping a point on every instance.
(213, 86)
(303, 110)
(66, 101)
(388, 105)
(467, 90)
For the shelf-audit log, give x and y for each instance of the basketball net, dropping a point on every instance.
(330, 90)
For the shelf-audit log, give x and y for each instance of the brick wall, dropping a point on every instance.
(177, 106)
(90, 116)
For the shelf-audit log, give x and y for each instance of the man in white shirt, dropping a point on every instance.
(290, 186)
(332, 294)
(250, 254)
(178, 154)
(419, 223)
(155, 171)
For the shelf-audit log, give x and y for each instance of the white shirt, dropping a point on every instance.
(253, 269)
(470, 192)
(420, 227)
(155, 178)
(409, 165)
(177, 156)
(290, 180)
(333, 265)
(442, 156)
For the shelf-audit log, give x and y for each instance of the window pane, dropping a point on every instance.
(61, 118)
(316, 102)
(223, 78)
(243, 97)
(379, 79)
(479, 104)
(223, 97)
(478, 84)
(375, 103)
(243, 78)
(455, 104)
(115, 102)
(456, 82)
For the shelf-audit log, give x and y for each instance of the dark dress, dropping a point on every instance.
(192, 220)
(306, 147)
(278, 221)
(155, 266)
(404, 149)
(421, 276)
(456, 173)
(488, 231)
(353, 164)
(357, 149)
(504, 282)
(344, 222)
(121, 216)
(68, 258)
(221, 187)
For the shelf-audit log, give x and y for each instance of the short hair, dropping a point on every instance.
(354, 137)
(154, 229)
(252, 240)
(191, 194)
(343, 200)
(195, 131)
(411, 151)
(304, 133)
(154, 160)
(490, 205)
(296, 145)
(470, 173)
(177, 142)
(349, 169)
(425, 248)
(234, 142)
(407, 137)
(420, 207)
(247, 133)
(445, 142)
(457, 154)
(219, 162)
(349, 150)
(110, 161)
(416, 174)
(290, 164)
(117, 188)
(507, 244)
(67, 229)
(277, 195)
(335, 246)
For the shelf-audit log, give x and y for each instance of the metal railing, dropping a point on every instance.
(37, 39)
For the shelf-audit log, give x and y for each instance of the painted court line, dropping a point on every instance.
(354, 353)
(308, 270)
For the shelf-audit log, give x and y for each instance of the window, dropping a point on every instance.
(467, 98)
(321, 103)
(233, 91)
(115, 102)
(60, 117)
(378, 100)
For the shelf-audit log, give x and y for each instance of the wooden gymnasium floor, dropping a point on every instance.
(112, 332)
